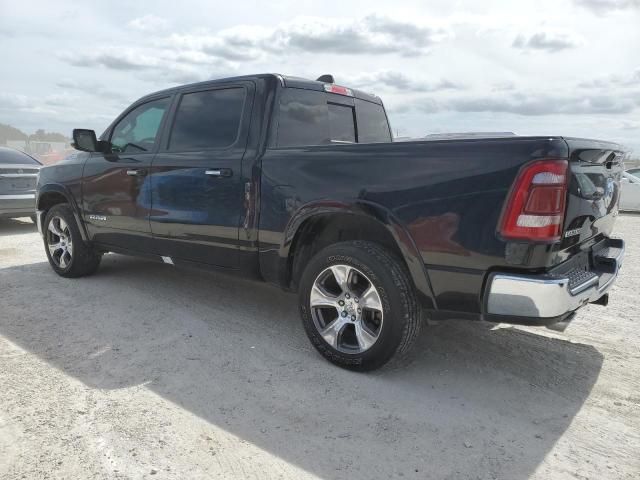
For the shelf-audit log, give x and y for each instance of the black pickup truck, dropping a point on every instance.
(298, 183)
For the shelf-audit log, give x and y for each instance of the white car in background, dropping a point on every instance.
(630, 193)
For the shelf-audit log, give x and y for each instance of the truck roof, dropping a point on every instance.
(286, 81)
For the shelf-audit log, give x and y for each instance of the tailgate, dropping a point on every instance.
(17, 179)
(594, 193)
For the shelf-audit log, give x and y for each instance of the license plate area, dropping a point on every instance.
(21, 184)
(8, 185)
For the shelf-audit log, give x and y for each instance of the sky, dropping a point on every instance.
(560, 67)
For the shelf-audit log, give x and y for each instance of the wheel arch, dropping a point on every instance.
(320, 224)
(52, 194)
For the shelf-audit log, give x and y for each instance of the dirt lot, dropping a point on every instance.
(146, 371)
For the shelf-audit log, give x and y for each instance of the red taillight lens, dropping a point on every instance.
(331, 88)
(535, 207)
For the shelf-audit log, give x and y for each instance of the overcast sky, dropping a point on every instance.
(562, 67)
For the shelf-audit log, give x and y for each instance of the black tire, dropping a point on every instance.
(85, 260)
(388, 275)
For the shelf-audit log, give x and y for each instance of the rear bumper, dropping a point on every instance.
(545, 299)
(23, 205)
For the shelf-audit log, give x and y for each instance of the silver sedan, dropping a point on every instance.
(18, 174)
(630, 193)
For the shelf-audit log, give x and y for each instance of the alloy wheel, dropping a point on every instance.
(346, 309)
(59, 242)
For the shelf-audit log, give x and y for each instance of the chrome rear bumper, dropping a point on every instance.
(17, 205)
(552, 296)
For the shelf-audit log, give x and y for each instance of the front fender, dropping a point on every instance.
(64, 191)
(382, 217)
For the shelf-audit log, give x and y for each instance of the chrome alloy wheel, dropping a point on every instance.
(59, 242)
(346, 309)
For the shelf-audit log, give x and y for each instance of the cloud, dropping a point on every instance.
(159, 66)
(400, 82)
(373, 34)
(543, 104)
(548, 41)
(531, 104)
(369, 35)
(114, 58)
(60, 99)
(148, 23)
(606, 6)
(616, 80)
(13, 103)
(13, 100)
(92, 88)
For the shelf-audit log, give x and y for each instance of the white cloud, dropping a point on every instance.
(548, 41)
(606, 6)
(402, 83)
(149, 23)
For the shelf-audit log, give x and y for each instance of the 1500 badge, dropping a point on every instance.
(101, 218)
(571, 233)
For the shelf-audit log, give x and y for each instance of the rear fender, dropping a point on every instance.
(382, 217)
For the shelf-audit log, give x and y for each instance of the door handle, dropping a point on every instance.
(134, 172)
(219, 172)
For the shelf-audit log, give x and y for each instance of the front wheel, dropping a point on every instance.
(68, 254)
(358, 305)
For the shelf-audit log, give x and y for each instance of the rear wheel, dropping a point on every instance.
(358, 305)
(68, 254)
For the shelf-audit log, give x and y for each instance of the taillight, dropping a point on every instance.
(535, 206)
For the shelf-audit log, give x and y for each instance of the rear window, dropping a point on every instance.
(341, 123)
(309, 117)
(209, 119)
(9, 156)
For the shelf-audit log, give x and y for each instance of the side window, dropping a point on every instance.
(303, 118)
(138, 130)
(372, 122)
(208, 119)
(309, 117)
(341, 123)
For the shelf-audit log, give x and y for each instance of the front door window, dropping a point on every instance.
(137, 131)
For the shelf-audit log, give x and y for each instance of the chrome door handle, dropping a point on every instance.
(219, 172)
(135, 172)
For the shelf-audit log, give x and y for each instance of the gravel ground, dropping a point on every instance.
(147, 371)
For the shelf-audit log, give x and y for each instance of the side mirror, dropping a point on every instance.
(85, 140)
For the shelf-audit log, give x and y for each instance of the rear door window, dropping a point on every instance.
(309, 117)
(207, 119)
(303, 118)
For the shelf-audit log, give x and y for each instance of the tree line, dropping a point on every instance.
(8, 132)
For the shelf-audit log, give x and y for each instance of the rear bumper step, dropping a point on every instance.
(551, 298)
